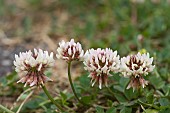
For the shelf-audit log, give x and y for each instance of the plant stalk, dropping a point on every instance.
(5, 109)
(71, 83)
(51, 98)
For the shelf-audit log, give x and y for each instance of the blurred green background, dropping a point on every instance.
(118, 24)
(102, 23)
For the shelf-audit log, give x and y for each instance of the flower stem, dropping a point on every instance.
(71, 83)
(51, 98)
(5, 109)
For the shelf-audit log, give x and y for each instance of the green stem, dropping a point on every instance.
(51, 98)
(5, 109)
(71, 83)
(150, 105)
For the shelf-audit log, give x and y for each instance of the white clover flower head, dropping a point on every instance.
(135, 66)
(70, 51)
(100, 63)
(31, 65)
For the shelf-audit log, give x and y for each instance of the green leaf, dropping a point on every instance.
(109, 103)
(119, 88)
(48, 73)
(164, 102)
(111, 110)
(120, 97)
(64, 96)
(86, 99)
(150, 111)
(130, 94)
(11, 78)
(157, 82)
(84, 81)
(116, 77)
(3, 81)
(149, 97)
(123, 82)
(126, 110)
(166, 89)
(99, 110)
(33, 104)
(24, 96)
(165, 110)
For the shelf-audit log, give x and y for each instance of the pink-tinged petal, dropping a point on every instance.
(25, 85)
(129, 86)
(94, 82)
(99, 63)
(137, 66)
(100, 82)
(34, 82)
(22, 80)
(70, 51)
(31, 65)
(39, 67)
(45, 78)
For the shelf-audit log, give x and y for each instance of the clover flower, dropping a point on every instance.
(70, 51)
(32, 66)
(100, 63)
(134, 67)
